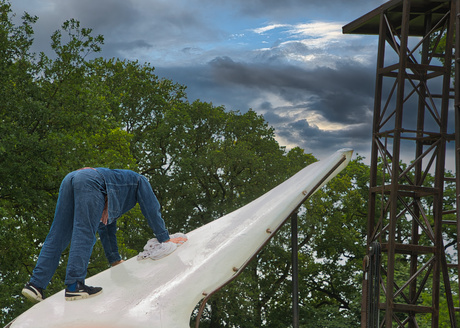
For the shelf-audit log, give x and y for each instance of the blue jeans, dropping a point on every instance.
(108, 236)
(76, 219)
(78, 213)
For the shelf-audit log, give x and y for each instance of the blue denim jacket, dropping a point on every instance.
(124, 189)
(121, 186)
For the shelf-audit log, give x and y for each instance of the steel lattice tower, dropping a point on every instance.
(414, 96)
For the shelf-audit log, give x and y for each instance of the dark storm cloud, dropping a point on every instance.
(125, 24)
(342, 95)
(276, 9)
(322, 143)
(106, 14)
(334, 86)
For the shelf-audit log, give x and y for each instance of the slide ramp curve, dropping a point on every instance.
(163, 293)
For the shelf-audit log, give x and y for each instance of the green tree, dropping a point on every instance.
(54, 119)
(331, 247)
(203, 161)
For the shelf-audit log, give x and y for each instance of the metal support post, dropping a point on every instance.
(295, 271)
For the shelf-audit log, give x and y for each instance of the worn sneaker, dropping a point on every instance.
(82, 291)
(33, 293)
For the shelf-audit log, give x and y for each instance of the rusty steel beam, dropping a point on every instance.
(457, 125)
(394, 189)
(397, 192)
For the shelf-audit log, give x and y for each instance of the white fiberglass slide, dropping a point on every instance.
(163, 293)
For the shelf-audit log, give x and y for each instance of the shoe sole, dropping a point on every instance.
(31, 296)
(82, 296)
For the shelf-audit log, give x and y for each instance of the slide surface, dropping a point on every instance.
(163, 293)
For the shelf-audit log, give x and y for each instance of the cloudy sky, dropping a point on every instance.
(287, 60)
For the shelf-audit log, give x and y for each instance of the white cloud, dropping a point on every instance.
(262, 30)
(313, 34)
(309, 42)
(289, 111)
(298, 72)
(330, 30)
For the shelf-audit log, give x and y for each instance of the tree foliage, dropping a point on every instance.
(54, 119)
(69, 111)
